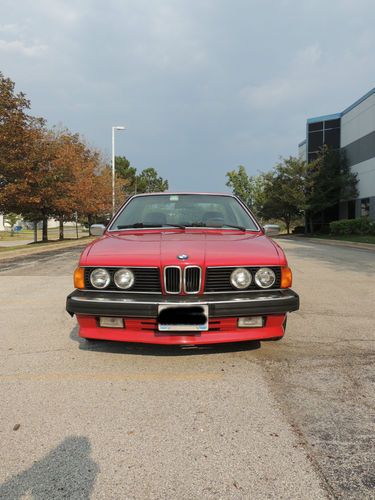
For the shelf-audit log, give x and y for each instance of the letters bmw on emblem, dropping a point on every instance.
(182, 256)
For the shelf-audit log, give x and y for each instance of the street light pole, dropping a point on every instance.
(113, 168)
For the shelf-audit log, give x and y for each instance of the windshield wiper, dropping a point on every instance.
(143, 225)
(221, 226)
(241, 228)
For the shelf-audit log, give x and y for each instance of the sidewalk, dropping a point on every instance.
(324, 241)
(43, 247)
(14, 243)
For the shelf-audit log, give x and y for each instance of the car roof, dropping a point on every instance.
(172, 193)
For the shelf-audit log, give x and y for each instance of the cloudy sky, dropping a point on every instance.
(202, 86)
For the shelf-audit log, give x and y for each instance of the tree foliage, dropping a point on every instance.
(294, 188)
(330, 181)
(46, 173)
(127, 175)
(284, 194)
(148, 181)
(242, 185)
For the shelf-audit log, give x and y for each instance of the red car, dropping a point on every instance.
(180, 268)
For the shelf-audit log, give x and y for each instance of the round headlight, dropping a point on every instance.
(124, 278)
(100, 278)
(265, 277)
(240, 278)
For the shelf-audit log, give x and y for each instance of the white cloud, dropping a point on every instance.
(9, 28)
(17, 46)
(299, 80)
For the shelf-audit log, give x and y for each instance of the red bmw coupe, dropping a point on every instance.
(182, 268)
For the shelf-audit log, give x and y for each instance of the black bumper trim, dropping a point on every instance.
(146, 306)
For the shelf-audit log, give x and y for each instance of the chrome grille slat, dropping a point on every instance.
(192, 279)
(172, 279)
(188, 279)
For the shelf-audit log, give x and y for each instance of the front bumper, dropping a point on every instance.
(223, 305)
(140, 314)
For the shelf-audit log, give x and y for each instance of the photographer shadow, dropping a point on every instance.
(65, 472)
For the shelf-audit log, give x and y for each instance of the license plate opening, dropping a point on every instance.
(180, 318)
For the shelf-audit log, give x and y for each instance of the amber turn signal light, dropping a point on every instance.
(79, 278)
(286, 277)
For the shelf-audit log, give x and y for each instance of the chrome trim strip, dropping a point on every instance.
(200, 279)
(119, 211)
(203, 302)
(165, 280)
(120, 267)
(120, 291)
(247, 265)
(255, 290)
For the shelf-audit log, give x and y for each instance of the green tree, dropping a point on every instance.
(283, 195)
(242, 185)
(148, 181)
(127, 173)
(329, 181)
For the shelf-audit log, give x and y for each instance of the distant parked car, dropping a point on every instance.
(182, 268)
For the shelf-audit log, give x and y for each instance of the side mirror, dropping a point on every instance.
(97, 229)
(271, 229)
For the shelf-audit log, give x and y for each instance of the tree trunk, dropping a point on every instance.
(287, 224)
(61, 228)
(45, 229)
(35, 231)
(311, 224)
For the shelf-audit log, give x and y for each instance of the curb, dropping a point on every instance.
(338, 243)
(51, 247)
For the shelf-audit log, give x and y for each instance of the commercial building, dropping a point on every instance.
(353, 132)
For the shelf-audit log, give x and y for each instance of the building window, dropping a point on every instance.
(323, 133)
(365, 207)
(315, 141)
(332, 138)
(313, 127)
(332, 124)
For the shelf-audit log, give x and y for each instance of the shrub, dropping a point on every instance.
(299, 230)
(361, 226)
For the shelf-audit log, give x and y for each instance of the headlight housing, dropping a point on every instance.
(265, 277)
(124, 278)
(241, 278)
(100, 278)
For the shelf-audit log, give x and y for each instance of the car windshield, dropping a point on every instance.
(184, 210)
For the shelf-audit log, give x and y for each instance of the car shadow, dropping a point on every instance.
(67, 471)
(113, 347)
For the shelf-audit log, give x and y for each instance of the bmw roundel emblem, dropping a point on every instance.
(182, 256)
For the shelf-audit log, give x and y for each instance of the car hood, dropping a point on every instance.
(222, 248)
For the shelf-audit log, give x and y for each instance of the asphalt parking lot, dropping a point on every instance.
(285, 420)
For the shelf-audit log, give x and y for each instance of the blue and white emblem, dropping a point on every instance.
(182, 256)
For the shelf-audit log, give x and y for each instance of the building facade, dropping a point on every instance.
(353, 132)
